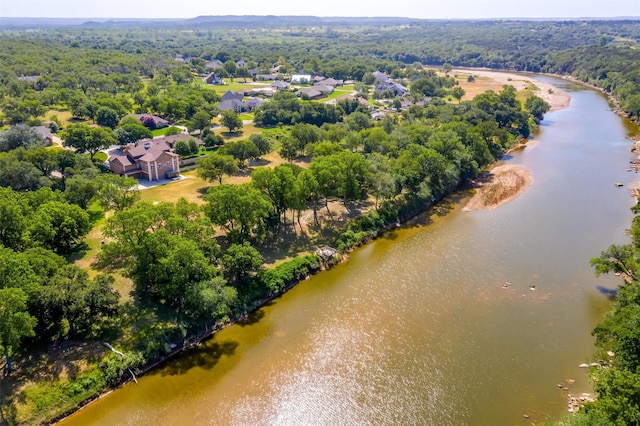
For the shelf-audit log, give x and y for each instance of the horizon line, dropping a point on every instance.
(332, 16)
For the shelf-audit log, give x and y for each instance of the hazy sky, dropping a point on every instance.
(435, 9)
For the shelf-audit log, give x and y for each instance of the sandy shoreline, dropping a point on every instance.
(557, 98)
(499, 186)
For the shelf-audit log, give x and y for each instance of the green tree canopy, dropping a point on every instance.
(15, 321)
(231, 120)
(214, 166)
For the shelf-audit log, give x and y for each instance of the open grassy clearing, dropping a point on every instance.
(235, 86)
(64, 116)
(243, 133)
(345, 90)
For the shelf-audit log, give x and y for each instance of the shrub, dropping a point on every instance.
(277, 279)
(115, 367)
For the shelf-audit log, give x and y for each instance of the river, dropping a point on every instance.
(416, 328)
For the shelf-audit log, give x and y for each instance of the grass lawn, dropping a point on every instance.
(192, 188)
(244, 133)
(65, 117)
(234, 87)
(100, 156)
(247, 116)
(339, 92)
(159, 132)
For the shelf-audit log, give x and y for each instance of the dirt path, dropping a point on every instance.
(501, 185)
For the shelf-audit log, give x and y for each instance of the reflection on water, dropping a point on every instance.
(418, 328)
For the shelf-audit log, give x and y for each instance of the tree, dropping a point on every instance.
(43, 159)
(212, 140)
(446, 68)
(231, 120)
(243, 72)
(148, 121)
(117, 192)
(240, 209)
(381, 182)
(278, 185)
(358, 121)
(307, 188)
(242, 150)
(173, 130)
(241, 260)
(181, 147)
(13, 218)
(214, 166)
(88, 139)
(80, 190)
(131, 131)
(289, 148)
(231, 68)
(201, 120)
(19, 135)
(178, 264)
(620, 259)
(193, 146)
(536, 106)
(20, 175)
(106, 116)
(457, 92)
(15, 321)
(263, 144)
(58, 226)
(210, 300)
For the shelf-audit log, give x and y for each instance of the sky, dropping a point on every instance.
(426, 9)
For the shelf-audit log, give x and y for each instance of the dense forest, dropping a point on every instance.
(195, 266)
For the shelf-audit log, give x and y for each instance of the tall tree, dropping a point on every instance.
(13, 218)
(214, 166)
(241, 260)
(17, 136)
(106, 116)
(231, 120)
(88, 139)
(15, 321)
(58, 226)
(117, 192)
(240, 209)
(201, 120)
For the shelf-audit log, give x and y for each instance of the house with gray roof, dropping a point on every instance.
(232, 105)
(310, 93)
(214, 64)
(381, 77)
(158, 122)
(46, 134)
(232, 95)
(279, 85)
(323, 88)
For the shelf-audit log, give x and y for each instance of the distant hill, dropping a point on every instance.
(65, 22)
(249, 21)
